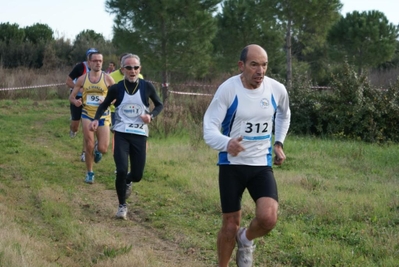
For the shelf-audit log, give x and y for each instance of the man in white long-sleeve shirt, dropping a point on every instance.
(239, 124)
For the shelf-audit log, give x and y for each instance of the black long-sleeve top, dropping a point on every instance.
(130, 87)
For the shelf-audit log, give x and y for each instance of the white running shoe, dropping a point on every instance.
(122, 212)
(244, 257)
(72, 134)
(83, 157)
(128, 189)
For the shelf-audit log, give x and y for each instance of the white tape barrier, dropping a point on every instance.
(185, 84)
(31, 87)
(320, 87)
(59, 84)
(173, 92)
(185, 93)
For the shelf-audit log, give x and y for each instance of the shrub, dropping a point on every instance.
(352, 109)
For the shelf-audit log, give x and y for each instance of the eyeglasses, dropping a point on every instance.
(132, 67)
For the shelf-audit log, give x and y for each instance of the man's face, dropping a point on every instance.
(131, 69)
(96, 62)
(254, 69)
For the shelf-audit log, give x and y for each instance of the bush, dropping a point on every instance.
(352, 109)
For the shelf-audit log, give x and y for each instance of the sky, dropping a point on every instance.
(69, 18)
(388, 7)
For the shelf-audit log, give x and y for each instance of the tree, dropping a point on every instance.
(243, 22)
(83, 41)
(366, 39)
(62, 48)
(38, 33)
(170, 36)
(393, 63)
(12, 49)
(11, 32)
(305, 21)
(39, 37)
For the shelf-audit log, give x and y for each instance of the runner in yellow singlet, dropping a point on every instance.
(94, 86)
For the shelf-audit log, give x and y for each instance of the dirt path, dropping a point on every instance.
(148, 249)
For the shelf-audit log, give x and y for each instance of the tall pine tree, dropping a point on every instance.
(365, 39)
(170, 36)
(305, 21)
(244, 22)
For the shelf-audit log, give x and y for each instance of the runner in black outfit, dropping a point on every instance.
(132, 115)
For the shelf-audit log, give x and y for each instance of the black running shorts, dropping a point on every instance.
(76, 112)
(234, 179)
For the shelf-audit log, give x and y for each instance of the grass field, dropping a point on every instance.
(339, 201)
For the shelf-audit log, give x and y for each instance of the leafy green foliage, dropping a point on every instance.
(184, 40)
(38, 33)
(364, 39)
(306, 23)
(338, 203)
(11, 32)
(170, 36)
(246, 22)
(35, 47)
(87, 39)
(393, 62)
(12, 48)
(351, 109)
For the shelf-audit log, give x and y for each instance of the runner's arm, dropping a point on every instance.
(111, 96)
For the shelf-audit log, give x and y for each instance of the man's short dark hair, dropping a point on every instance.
(244, 54)
(95, 53)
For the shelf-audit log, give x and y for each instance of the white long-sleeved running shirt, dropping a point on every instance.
(236, 111)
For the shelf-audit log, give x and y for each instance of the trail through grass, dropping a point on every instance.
(339, 201)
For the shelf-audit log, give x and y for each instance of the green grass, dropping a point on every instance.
(339, 201)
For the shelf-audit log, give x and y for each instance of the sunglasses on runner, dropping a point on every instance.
(132, 67)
